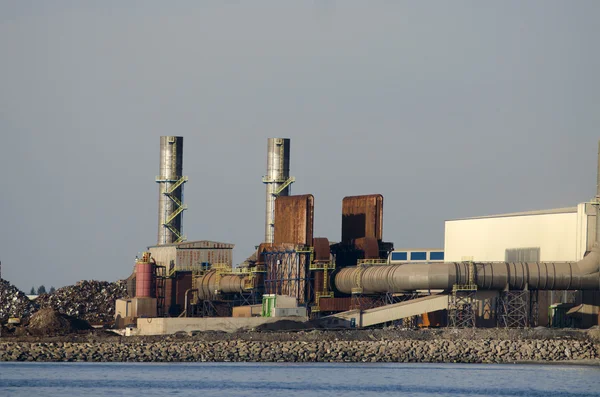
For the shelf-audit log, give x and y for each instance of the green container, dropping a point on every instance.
(268, 305)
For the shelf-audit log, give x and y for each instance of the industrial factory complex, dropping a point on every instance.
(527, 269)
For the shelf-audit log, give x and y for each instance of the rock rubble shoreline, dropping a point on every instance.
(413, 351)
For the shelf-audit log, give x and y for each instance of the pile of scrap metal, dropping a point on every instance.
(14, 303)
(93, 301)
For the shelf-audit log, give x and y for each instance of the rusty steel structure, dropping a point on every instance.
(287, 271)
(277, 180)
(294, 220)
(287, 261)
(362, 216)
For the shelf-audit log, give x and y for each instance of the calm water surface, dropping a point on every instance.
(290, 380)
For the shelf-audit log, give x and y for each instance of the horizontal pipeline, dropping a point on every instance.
(491, 276)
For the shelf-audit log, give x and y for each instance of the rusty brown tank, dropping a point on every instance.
(145, 279)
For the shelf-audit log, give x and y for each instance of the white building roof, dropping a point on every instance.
(566, 210)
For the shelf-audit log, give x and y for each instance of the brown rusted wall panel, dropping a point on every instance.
(169, 294)
(341, 304)
(369, 246)
(318, 281)
(362, 216)
(334, 304)
(294, 219)
(321, 247)
(183, 283)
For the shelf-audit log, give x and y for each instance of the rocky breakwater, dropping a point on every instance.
(435, 351)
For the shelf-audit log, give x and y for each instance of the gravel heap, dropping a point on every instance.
(93, 301)
(437, 351)
(50, 322)
(13, 302)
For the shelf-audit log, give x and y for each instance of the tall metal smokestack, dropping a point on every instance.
(170, 190)
(278, 179)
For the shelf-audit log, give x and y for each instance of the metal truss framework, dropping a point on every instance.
(513, 309)
(518, 309)
(287, 273)
(462, 307)
(170, 191)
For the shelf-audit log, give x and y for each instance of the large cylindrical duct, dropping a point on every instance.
(210, 284)
(170, 192)
(581, 275)
(277, 179)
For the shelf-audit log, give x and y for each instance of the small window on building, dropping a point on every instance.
(436, 256)
(399, 256)
(418, 256)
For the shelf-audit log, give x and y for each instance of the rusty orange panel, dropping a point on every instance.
(433, 319)
(169, 295)
(183, 282)
(294, 219)
(369, 246)
(362, 216)
(342, 304)
(318, 281)
(334, 304)
(322, 251)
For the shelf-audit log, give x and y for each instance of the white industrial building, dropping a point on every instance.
(557, 235)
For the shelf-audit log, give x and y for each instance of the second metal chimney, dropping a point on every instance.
(278, 180)
(170, 199)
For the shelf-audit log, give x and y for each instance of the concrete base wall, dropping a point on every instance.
(166, 326)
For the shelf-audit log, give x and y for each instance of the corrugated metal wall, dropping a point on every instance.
(186, 255)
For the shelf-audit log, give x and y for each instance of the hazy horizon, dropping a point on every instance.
(448, 109)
